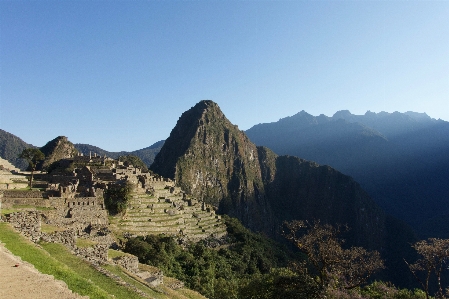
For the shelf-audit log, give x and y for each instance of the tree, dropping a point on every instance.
(134, 161)
(33, 156)
(117, 195)
(334, 266)
(435, 255)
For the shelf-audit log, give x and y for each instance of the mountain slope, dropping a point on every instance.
(399, 158)
(10, 148)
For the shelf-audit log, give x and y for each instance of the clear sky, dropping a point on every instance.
(118, 74)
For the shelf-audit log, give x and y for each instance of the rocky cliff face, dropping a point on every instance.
(215, 161)
(55, 150)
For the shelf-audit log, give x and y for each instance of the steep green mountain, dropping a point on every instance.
(146, 154)
(10, 148)
(210, 158)
(213, 160)
(400, 159)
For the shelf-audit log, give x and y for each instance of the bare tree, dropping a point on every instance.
(435, 255)
(335, 266)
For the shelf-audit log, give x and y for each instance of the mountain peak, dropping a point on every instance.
(198, 125)
(213, 160)
(57, 149)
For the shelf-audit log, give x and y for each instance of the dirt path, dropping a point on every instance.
(26, 282)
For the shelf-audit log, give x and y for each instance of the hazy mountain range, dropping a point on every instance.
(400, 159)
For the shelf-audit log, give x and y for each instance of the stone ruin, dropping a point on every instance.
(72, 204)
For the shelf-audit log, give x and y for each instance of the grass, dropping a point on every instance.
(151, 292)
(160, 291)
(47, 264)
(47, 228)
(115, 253)
(59, 252)
(32, 207)
(84, 243)
(8, 211)
(81, 277)
(17, 208)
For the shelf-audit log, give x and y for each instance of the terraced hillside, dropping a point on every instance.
(167, 210)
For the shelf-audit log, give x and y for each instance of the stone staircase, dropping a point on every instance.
(168, 211)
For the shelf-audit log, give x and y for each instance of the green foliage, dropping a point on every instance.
(116, 197)
(382, 290)
(214, 273)
(281, 283)
(133, 160)
(32, 156)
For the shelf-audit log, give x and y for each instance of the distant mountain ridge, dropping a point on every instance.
(146, 154)
(11, 146)
(399, 158)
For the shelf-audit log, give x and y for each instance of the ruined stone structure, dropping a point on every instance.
(131, 264)
(10, 177)
(72, 208)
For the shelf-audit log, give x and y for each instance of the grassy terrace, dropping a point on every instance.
(80, 277)
(18, 208)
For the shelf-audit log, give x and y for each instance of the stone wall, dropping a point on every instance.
(67, 237)
(128, 262)
(13, 185)
(131, 264)
(88, 215)
(97, 254)
(84, 201)
(28, 223)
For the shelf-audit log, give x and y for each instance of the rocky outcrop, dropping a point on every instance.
(55, 150)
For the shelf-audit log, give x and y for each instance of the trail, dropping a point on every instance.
(24, 281)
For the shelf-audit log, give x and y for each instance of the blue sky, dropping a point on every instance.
(118, 74)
